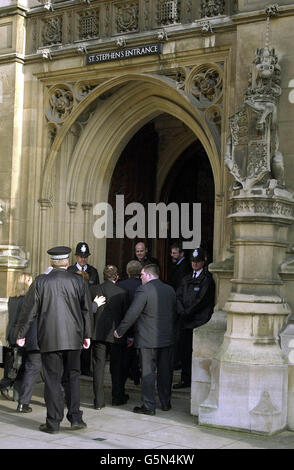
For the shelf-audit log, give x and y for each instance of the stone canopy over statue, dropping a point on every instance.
(252, 152)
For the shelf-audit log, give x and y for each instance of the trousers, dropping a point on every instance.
(99, 352)
(61, 371)
(156, 364)
(32, 368)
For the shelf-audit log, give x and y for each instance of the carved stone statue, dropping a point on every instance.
(252, 152)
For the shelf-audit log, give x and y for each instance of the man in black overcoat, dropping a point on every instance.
(153, 311)
(106, 319)
(61, 307)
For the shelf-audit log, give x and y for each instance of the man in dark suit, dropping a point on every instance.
(82, 266)
(154, 311)
(106, 319)
(62, 309)
(180, 265)
(180, 268)
(131, 363)
(195, 304)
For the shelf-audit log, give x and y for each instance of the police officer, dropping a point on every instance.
(195, 303)
(82, 254)
(62, 309)
(89, 272)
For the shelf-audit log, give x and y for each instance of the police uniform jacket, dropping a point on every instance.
(195, 299)
(153, 311)
(61, 307)
(108, 316)
(91, 271)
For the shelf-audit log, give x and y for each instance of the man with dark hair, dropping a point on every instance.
(180, 265)
(195, 300)
(62, 309)
(180, 268)
(153, 312)
(106, 319)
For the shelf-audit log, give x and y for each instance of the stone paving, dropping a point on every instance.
(119, 428)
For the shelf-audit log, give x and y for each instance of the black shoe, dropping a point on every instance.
(120, 401)
(166, 407)
(45, 428)
(23, 408)
(98, 407)
(143, 410)
(78, 425)
(181, 385)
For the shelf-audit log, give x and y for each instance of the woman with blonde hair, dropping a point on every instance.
(13, 367)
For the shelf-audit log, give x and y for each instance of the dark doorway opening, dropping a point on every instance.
(190, 180)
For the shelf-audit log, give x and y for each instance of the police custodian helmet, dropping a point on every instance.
(198, 255)
(82, 250)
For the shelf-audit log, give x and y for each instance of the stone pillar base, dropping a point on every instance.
(207, 340)
(247, 397)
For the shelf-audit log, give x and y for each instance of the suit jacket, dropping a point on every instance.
(91, 271)
(195, 299)
(154, 311)
(130, 285)
(61, 308)
(178, 272)
(108, 316)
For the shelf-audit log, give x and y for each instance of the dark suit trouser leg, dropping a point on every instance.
(99, 350)
(53, 393)
(117, 356)
(186, 354)
(71, 383)
(165, 358)
(148, 364)
(33, 366)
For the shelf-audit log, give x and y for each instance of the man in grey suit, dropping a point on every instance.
(154, 311)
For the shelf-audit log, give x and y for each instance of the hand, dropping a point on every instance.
(101, 300)
(86, 343)
(21, 342)
(130, 342)
(116, 335)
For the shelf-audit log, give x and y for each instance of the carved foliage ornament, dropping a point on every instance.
(205, 83)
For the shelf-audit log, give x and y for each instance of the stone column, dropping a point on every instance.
(72, 209)
(249, 380)
(87, 206)
(45, 204)
(250, 372)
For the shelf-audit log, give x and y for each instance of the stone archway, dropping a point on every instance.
(122, 106)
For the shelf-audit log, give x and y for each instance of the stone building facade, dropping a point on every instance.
(160, 91)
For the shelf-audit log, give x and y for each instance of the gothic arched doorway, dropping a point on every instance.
(135, 176)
